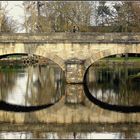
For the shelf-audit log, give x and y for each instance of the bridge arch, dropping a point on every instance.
(56, 59)
(134, 48)
(53, 57)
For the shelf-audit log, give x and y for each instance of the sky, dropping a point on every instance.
(15, 10)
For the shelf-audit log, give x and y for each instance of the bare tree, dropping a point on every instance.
(30, 16)
(7, 24)
(48, 16)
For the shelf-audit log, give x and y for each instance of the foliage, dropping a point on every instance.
(119, 17)
(58, 16)
(103, 13)
(85, 16)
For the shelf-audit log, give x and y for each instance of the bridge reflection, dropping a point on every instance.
(46, 99)
(77, 109)
(84, 131)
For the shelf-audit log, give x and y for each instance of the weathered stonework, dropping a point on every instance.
(74, 94)
(61, 47)
(74, 71)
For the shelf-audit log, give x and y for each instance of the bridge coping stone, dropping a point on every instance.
(71, 37)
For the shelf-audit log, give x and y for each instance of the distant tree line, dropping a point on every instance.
(84, 16)
(119, 17)
(55, 16)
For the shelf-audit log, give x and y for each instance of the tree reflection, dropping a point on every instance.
(43, 84)
(111, 85)
(7, 81)
(32, 85)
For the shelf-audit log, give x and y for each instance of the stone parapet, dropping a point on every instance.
(71, 37)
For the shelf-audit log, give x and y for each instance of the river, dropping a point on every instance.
(26, 87)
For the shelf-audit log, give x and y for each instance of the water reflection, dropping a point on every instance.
(32, 85)
(114, 85)
(67, 135)
(15, 135)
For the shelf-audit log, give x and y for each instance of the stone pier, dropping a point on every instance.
(74, 71)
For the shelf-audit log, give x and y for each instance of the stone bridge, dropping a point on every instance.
(73, 52)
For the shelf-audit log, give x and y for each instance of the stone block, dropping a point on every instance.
(74, 71)
(74, 94)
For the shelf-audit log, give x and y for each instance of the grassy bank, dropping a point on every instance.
(118, 61)
(103, 62)
(122, 59)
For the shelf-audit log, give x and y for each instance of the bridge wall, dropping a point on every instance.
(111, 49)
(64, 47)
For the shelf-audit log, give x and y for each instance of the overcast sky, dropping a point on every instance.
(15, 10)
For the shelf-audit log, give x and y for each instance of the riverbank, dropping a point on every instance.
(24, 61)
(133, 61)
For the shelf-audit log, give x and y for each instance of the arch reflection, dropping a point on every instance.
(113, 88)
(30, 88)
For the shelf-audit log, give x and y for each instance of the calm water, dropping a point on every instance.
(71, 135)
(34, 86)
(116, 85)
(30, 86)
